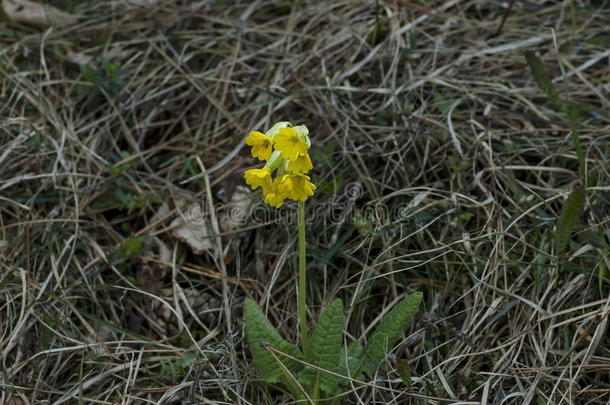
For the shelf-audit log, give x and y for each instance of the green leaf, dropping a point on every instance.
(325, 348)
(542, 78)
(388, 332)
(179, 367)
(441, 103)
(88, 73)
(131, 246)
(568, 219)
(260, 332)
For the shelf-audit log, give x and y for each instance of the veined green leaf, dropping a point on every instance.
(260, 332)
(325, 349)
(388, 332)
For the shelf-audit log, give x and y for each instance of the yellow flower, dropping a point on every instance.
(274, 199)
(259, 178)
(302, 164)
(295, 186)
(288, 141)
(262, 145)
(284, 147)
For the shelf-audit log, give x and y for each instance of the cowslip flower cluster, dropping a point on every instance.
(284, 148)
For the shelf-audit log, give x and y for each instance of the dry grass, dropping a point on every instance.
(414, 107)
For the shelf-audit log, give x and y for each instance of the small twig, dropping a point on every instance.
(504, 17)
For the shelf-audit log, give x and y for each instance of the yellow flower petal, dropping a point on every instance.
(274, 199)
(296, 187)
(302, 164)
(289, 143)
(303, 133)
(262, 145)
(256, 178)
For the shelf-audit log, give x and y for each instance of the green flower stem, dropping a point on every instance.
(302, 293)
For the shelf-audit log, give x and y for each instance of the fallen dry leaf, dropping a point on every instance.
(80, 58)
(29, 12)
(195, 231)
(16, 400)
(237, 210)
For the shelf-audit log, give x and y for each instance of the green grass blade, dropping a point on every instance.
(574, 118)
(572, 112)
(325, 349)
(542, 78)
(260, 333)
(569, 218)
(388, 332)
